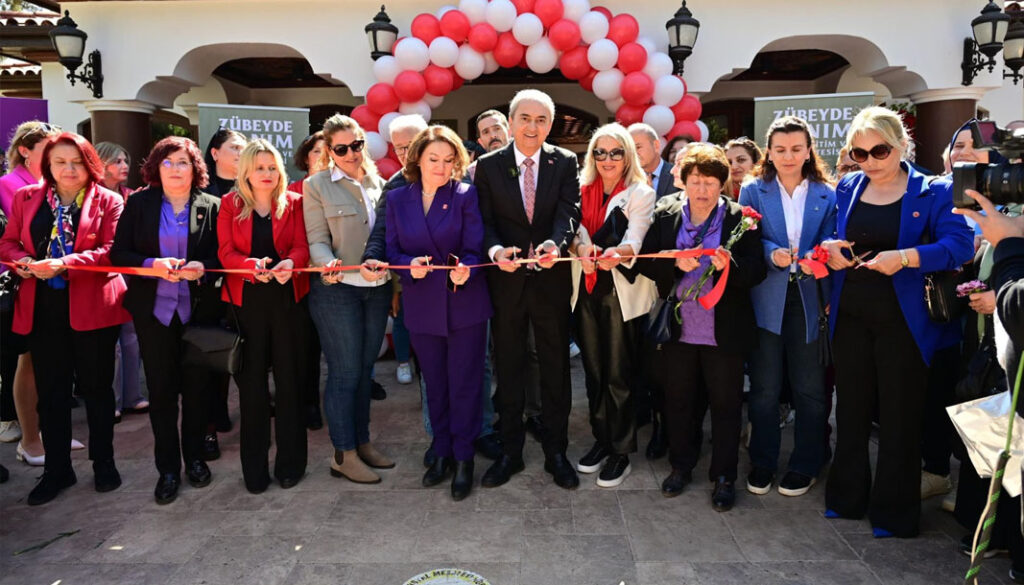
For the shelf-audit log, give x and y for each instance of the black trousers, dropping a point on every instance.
(63, 358)
(276, 331)
(608, 346)
(168, 379)
(12, 345)
(697, 376)
(550, 321)
(877, 362)
(937, 428)
(312, 387)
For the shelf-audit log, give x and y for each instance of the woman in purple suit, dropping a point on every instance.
(435, 220)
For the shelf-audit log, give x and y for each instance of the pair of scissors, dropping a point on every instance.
(859, 259)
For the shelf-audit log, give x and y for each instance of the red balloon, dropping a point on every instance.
(439, 80)
(388, 166)
(632, 57)
(483, 37)
(457, 79)
(604, 11)
(685, 127)
(382, 99)
(637, 88)
(391, 149)
(455, 25)
(564, 35)
(548, 11)
(688, 109)
(623, 28)
(426, 27)
(523, 6)
(410, 86)
(366, 117)
(629, 114)
(508, 52)
(574, 64)
(587, 81)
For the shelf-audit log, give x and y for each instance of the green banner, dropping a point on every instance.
(828, 115)
(285, 128)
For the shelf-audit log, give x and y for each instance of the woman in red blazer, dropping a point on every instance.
(68, 220)
(261, 227)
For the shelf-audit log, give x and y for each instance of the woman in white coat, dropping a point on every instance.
(617, 207)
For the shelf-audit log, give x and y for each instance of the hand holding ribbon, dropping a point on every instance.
(420, 267)
(505, 259)
(282, 271)
(372, 270)
(459, 275)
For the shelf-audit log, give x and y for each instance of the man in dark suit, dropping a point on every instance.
(530, 202)
(648, 148)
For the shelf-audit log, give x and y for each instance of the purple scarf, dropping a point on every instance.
(698, 324)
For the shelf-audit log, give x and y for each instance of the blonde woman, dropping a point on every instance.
(350, 311)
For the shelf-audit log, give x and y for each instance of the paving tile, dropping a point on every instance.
(665, 573)
(476, 536)
(85, 574)
(684, 527)
(786, 535)
(789, 573)
(576, 560)
(525, 491)
(156, 538)
(928, 559)
(597, 512)
(232, 573)
(555, 521)
(395, 573)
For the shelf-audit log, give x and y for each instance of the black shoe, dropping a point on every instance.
(167, 488)
(968, 540)
(438, 472)
(501, 470)
(592, 461)
(535, 426)
(314, 419)
(105, 476)
(490, 446)
(117, 418)
(616, 469)
(760, 480)
(675, 482)
(796, 484)
(211, 448)
(462, 483)
(49, 486)
(288, 482)
(658, 446)
(1017, 576)
(198, 473)
(429, 456)
(258, 488)
(223, 423)
(377, 392)
(724, 496)
(560, 469)
(4, 474)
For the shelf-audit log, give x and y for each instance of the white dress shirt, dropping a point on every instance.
(793, 210)
(520, 157)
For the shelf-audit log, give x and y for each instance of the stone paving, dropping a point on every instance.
(529, 532)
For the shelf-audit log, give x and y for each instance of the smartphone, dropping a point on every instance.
(453, 260)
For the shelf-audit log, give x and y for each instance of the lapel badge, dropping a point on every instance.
(92, 236)
(199, 216)
(445, 206)
(917, 214)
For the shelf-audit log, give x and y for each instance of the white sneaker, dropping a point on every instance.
(10, 431)
(949, 502)
(574, 350)
(404, 373)
(23, 455)
(934, 485)
(76, 445)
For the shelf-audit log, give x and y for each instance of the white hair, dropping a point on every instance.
(645, 129)
(531, 95)
(409, 122)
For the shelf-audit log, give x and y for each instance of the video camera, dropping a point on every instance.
(1001, 182)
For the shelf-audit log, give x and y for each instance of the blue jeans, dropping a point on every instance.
(351, 321)
(127, 363)
(487, 403)
(806, 378)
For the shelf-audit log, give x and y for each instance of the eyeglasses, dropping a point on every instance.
(848, 168)
(877, 152)
(601, 154)
(342, 149)
(180, 165)
(400, 149)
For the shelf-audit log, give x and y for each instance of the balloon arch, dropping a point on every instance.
(602, 51)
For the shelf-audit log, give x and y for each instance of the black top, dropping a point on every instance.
(222, 186)
(263, 238)
(42, 226)
(873, 228)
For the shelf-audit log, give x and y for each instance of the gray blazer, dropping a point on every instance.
(337, 225)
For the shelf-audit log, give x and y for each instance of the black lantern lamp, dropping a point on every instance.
(682, 35)
(1013, 51)
(382, 34)
(989, 31)
(69, 42)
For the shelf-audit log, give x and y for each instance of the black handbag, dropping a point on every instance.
(940, 296)
(658, 326)
(610, 234)
(214, 347)
(984, 376)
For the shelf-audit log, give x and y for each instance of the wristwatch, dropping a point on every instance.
(904, 261)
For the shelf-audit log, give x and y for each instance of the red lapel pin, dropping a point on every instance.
(917, 214)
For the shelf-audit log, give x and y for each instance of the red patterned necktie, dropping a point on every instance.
(529, 188)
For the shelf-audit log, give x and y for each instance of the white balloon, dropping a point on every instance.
(528, 29)
(668, 90)
(421, 107)
(491, 63)
(376, 145)
(704, 132)
(660, 118)
(470, 64)
(575, 9)
(475, 10)
(593, 27)
(384, 126)
(658, 65)
(603, 54)
(608, 84)
(541, 57)
(386, 69)
(442, 10)
(443, 52)
(434, 101)
(412, 54)
(501, 14)
(614, 105)
(647, 44)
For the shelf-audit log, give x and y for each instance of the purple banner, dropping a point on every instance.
(14, 111)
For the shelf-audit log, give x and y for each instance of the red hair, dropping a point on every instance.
(93, 164)
(167, 147)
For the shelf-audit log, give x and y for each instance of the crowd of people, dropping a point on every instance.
(500, 263)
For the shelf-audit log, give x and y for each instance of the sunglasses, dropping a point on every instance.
(601, 154)
(342, 149)
(878, 152)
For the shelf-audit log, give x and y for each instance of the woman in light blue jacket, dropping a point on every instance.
(792, 191)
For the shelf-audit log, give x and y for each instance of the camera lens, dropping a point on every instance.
(1001, 183)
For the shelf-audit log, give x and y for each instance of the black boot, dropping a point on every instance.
(4, 474)
(462, 483)
(658, 446)
(438, 472)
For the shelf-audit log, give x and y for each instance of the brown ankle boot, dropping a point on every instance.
(374, 458)
(348, 465)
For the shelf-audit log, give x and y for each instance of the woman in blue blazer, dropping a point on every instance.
(883, 339)
(793, 194)
(435, 219)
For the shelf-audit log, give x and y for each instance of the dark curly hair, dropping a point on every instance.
(302, 152)
(93, 164)
(163, 149)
